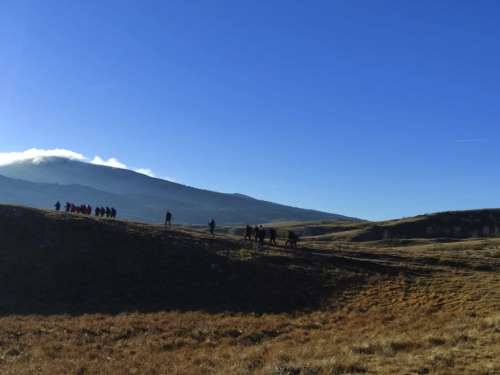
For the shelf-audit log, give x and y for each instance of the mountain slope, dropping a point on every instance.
(86, 295)
(58, 262)
(148, 198)
(441, 226)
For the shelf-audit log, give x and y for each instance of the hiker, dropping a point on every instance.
(291, 238)
(113, 212)
(108, 211)
(89, 209)
(272, 236)
(103, 211)
(256, 233)
(262, 235)
(58, 206)
(73, 207)
(212, 226)
(77, 209)
(97, 211)
(248, 233)
(68, 206)
(168, 219)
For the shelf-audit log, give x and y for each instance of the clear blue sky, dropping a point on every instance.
(374, 109)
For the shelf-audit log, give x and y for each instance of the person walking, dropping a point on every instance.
(58, 206)
(248, 233)
(168, 219)
(212, 226)
(272, 236)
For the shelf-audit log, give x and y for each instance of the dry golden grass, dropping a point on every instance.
(376, 342)
(414, 307)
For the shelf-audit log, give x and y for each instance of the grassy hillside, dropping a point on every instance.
(84, 295)
(451, 225)
(56, 262)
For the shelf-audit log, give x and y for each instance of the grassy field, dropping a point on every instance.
(85, 295)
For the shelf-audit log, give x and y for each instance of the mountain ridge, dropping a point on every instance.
(140, 197)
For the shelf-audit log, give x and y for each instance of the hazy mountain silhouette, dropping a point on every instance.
(137, 196)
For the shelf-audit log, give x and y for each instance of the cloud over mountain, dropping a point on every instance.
(38, 156)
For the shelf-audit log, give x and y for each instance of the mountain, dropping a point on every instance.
(136, 196)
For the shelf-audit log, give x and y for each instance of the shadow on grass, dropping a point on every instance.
(57, 264)
(158, 279)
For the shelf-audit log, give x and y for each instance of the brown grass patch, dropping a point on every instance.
(336, 307)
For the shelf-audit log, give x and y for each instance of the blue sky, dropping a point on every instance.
(373, 109)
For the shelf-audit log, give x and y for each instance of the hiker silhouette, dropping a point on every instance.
(168, 218)
(248, 233)
(272, 236)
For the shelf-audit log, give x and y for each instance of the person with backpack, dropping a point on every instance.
(168, 219)
(256, 233)
(262, 235)
(58, 206)
(272, 236)
(212, 226)
(248, 233)
(291, 238)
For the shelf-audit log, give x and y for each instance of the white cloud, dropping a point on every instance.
(146, 171)
(110, 163)
(38, 156)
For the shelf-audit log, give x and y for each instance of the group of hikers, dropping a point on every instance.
(87, 209)
(259, 234)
